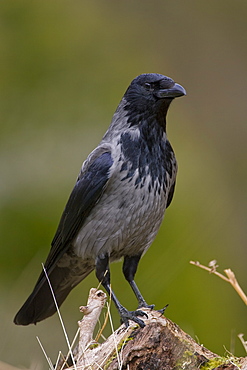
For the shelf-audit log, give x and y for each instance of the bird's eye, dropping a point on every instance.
(147, 86)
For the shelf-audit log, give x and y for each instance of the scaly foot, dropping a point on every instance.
(132, 315)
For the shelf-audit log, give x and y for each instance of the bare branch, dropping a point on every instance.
(210, 270)
(91, 311)
(230, 277)
(233, 281)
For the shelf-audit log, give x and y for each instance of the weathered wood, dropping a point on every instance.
(92, 311)
(161, 344)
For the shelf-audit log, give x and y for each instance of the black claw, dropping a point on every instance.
(132, 315)
(139, 313)
(162, 310)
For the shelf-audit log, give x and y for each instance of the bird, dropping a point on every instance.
(117, 204)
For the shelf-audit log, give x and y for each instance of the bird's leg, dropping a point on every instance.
(103, 275)
(129, 269)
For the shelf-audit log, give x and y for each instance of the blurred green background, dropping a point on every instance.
(64, 66)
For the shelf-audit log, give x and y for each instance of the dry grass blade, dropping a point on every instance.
(115, 342)
(47, 358)
(60, 318)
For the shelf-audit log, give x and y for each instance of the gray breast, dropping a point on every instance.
(126, 219)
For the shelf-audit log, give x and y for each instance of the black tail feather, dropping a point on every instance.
(40, 304)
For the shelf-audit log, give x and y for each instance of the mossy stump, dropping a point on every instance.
(160, 345)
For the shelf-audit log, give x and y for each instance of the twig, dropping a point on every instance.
(91, 311)
(230, 277)
(233, 281)
(209, 269)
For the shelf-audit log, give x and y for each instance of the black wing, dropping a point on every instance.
(86, 193)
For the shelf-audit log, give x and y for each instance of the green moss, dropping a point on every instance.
(217, 361)
(93, 345)
(189, 358)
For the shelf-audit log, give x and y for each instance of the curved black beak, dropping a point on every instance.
(173, 92)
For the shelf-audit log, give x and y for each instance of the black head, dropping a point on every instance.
(152, 92)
